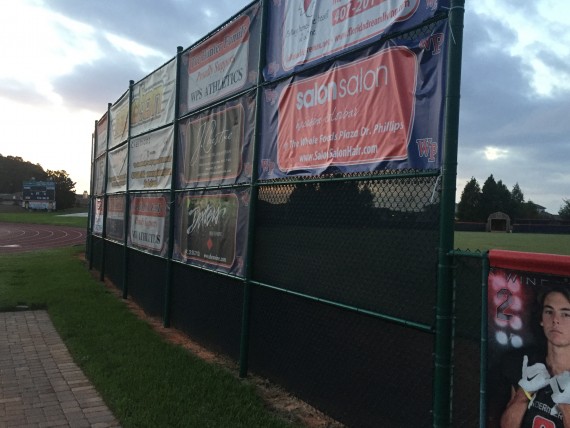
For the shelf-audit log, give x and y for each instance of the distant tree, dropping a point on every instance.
(495, 196)
(469, 207)
(14, 171)
(64, 189)
(528, 210)
(564, 211)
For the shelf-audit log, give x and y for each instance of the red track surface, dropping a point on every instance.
(17, 238)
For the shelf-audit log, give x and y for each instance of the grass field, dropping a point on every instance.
(529, 242)
(60, 218)
(146, 381)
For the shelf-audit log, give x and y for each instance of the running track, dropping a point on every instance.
(16, 238)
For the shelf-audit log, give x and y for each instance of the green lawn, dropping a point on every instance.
(528, 242)
(59, 218)
(146, 381)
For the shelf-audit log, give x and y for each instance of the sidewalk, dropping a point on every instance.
(40, 385)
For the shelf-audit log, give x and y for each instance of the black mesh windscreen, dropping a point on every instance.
(115, 263)
(97, 252)
(368, 244)
(360, 370)
(147, 281)
(207, 307)
(466, 376)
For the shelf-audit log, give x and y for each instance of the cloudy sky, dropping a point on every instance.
(64, 60)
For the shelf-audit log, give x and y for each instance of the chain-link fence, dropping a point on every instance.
(316, 268)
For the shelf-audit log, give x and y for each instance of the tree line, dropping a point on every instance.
(477, 203)
(14, 171)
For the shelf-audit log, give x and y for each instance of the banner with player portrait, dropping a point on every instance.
(514, 320)
(303, 32)
(149, 223)
(153, 100)
(223, 64)
(216, 146)
(378, 108)
(150, 160)
(211, 229)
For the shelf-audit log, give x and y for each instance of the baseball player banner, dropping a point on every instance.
(101, 130)
(303, 32)
(119, 121)
(216, 146)
(378, 108)
(150, 160)
(211, 229)
(115, 225)
(149, 223)
(519, 330)
(153, 100)
(223, 64)
(117, 172)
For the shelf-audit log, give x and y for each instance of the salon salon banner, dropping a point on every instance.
(379, 108)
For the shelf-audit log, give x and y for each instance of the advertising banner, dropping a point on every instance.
(115, 226)
(98, 216)
(148, 223)
(102, 132)
(119, 121)
(211, 230)
(377, 109)
(99, 175)
(150, 160)
(302, 32)
(215, 147)
(518, 289)
(223, 64)
(153, 100)
(117, 173)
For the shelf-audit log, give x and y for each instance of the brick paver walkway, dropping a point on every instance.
(40, 385)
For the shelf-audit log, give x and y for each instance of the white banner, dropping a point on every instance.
(119, 121)
(315, 29)
(153, 100)
(150, 160)
(99, 175)
(117, 173)
(147, 225)
(98, 215)
(101, 142)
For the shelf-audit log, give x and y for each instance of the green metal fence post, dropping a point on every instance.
(484, 343)
(442, 410)
(172, 203)
(245, 317)
(127, 201)
(105, 197)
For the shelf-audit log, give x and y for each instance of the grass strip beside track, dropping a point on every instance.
(146, 381)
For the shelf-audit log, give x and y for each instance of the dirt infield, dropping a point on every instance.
(17, 238)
